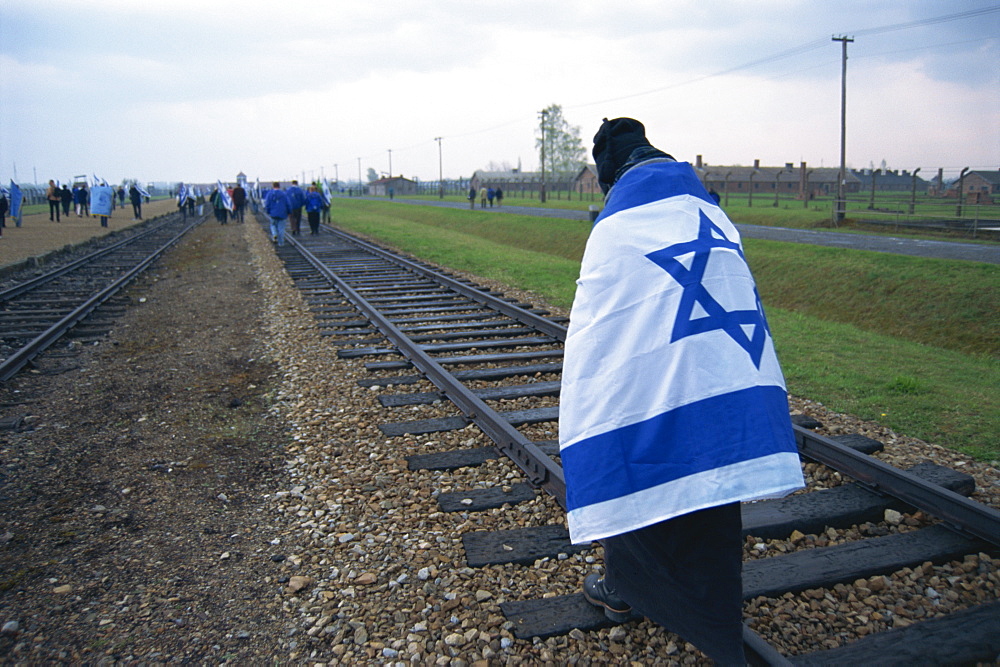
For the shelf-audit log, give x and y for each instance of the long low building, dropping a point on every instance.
(802, 182)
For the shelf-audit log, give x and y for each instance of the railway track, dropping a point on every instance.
(78, 298)
(483, 352)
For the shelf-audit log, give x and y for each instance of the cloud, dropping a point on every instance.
(185, 89)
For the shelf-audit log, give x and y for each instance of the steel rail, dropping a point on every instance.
(32, 283)
(10, 366)
(956, 511)
(540, 323)
(540, 469)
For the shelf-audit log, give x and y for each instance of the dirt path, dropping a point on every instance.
(131, 498)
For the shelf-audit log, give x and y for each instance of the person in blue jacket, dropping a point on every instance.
(296, 200)
(314, 206)
(277, 207)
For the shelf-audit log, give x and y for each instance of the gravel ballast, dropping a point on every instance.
(211, 486)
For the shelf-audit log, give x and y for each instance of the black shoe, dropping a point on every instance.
(598, 594)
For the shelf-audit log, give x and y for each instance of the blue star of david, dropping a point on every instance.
(735, 323)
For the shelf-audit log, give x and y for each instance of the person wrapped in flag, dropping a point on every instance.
(673, 407)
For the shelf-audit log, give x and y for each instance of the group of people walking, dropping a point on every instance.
(485, 195)
(232, 205)
(284, 207)
(60, 199)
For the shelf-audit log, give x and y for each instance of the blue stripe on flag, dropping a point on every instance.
(655, 181)
(747, 424)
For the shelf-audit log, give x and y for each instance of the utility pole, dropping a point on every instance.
(541, 193)
(841, 206)
(440, 170)
(390, 163)
(360, 186)
(336, 174)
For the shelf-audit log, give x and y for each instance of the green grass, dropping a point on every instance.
(908, 342)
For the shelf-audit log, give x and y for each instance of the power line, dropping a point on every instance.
(982, 11)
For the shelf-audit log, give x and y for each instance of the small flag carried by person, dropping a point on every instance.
(16, 201)
(102, 201)
(672, 397)
(227, 200)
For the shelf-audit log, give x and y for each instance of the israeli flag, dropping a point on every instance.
(142, 190)
(102, 200)
(227, 200)
(16, 201)
(672, 397)
(326, 192)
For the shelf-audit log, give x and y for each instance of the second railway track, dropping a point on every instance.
(38, 311)
(839, 546)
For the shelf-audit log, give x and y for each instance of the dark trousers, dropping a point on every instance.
(294, 221)
(313, 221)
(54, 209)
(685, 574)
(137, 210)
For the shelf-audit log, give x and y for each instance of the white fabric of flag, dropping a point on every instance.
(672, 397)
(227, 200)
(16, 203)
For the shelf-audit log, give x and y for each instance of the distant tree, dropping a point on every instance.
(372, 175)
(564, 149)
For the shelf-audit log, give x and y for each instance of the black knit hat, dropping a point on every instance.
(619, 145)
(613, 144)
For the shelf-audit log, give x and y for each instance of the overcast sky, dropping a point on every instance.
(200, 90)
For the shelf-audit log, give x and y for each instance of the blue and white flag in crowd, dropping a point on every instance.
(227, 200)
(16, 201)
(672, 397)
(326, 192)
(142, 190)
(102, 200)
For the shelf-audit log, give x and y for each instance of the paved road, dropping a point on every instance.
(896, 245)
